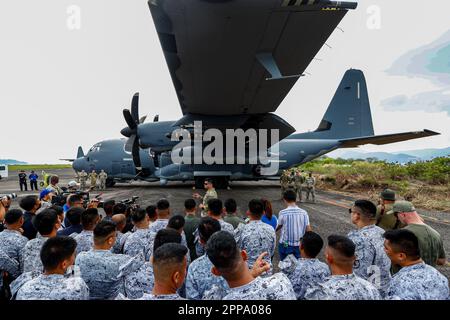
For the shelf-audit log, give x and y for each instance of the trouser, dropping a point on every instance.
(102, 185)
(33, 185)
(284, 251)
(311, 191)
(298, 191)
(23, 185)
(82, 184)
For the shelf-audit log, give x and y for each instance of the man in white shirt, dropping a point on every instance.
(293, 223)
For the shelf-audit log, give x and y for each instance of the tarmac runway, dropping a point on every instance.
(329, 215)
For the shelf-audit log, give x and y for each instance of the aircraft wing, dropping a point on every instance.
(386, 139)
(68, 160)
(242, 56)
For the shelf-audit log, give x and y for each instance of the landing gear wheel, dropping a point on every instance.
(110, 183)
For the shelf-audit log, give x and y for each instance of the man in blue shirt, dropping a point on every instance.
(73, 215)
(33, 181)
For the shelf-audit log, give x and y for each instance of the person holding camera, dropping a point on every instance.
(31, 204)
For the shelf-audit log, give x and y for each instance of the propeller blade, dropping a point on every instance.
(136, 157)
(130, 143)
(142, 120)
(156, 118)
(129, 119)
(135, 108)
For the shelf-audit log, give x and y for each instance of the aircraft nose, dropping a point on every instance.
(78, 164)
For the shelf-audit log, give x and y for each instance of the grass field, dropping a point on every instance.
(37, 167)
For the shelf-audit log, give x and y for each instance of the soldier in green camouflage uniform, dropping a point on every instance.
(83, 176)
(210, 194)
(299, 179)
(284, 182)
(311, 187)
(385, 218)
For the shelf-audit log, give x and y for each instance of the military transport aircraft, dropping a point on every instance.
(347, 124)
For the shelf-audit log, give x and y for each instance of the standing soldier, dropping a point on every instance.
(93, 178)
(102, 176)
(210, 194)
(83, 177)
(311, 187)
(299, 179)
(284, 181)
(23, 181)
(385, 218)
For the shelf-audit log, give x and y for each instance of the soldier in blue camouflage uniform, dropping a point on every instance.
(103, 271)
(138, 243)
(8, 265)
(256, 237)
(215, 210)
(343, 284)
(85, 239)
(141, 282)
(306, 272)
(11, 239)
(163, 214)
(47, 225)
(169, 263)
(372, 263)
(230, 263)
(199, 277)
(120, 220)
(415, 280)
(58, 254)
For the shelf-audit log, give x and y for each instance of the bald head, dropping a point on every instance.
(120, 220)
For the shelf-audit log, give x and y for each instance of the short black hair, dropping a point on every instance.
(230, 205)
(342, 244)
(176, 222)
(108, 207)
(207, 227)
(119, 208)
(312, 243)
(404, 241)
(74, 198)
(74, 215)
(56, 250)
(58, 209)
(209, 180)
(169, 254)
(151, 211)
(189, 204)
(163, 204)
(27, 203)
(215, 206)
(88, 217)
(138, 215)
(13, 216)
(166, 236)
(368, 209)
(256, 208)
(45, 221)
(103, 230)
(223, 251)
(290, 196)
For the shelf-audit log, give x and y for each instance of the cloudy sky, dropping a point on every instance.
(60, 88)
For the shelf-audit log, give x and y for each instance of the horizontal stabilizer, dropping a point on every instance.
(386, 139)
(68, 160)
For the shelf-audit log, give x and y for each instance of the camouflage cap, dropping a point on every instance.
(403, 206)
(388, 194)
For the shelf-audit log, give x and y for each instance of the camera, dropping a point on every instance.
(60, 200)
(9, 196)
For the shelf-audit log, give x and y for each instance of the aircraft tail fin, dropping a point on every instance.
(80, 152)
(348, 115)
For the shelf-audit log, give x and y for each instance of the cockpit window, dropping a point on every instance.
(95, 148)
